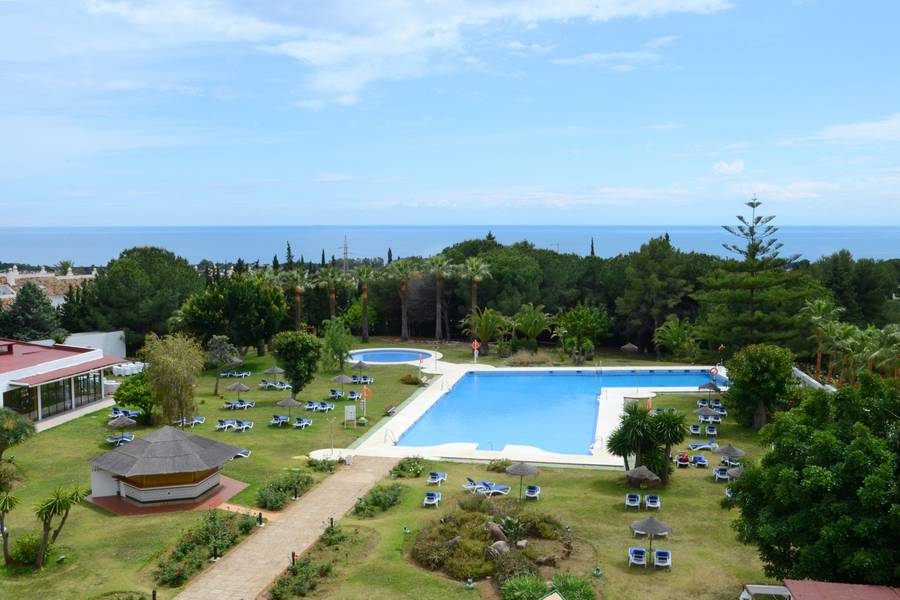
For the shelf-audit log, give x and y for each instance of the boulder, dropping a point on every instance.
(521, 544)
(548, 561)
(497, 549)
(496, 533)
(453, 543)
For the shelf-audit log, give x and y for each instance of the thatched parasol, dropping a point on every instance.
(522, 470)
(730, 451)
(342, 379)
(121, 422)
(288, 403)
(629, 347)
(641, 474)
(238, 387)
(652, 527)
(705, 411)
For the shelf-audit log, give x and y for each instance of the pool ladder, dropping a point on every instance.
(388, 433)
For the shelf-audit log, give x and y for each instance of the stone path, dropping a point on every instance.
(247, 570)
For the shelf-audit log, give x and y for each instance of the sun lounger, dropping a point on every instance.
(494, 490)
(702, 402)
(198, 420)
(637, 556)
(729, 493)
(279, 420)
(117, 440)
(716, 403)
(721, 412)
(662, 559)
(325, 407)
(474, 486)
(242, 454)
(225, 424)
(704, 420)
(711, 430)
(283, 385)
(728, 461)
(720, 474)
(243, 425)
(633, 501)
(335, 394)
(355, 379)
(699, 461)
(366, 379)
(533, 492)
(189, 421)
(695, 430)
(353, 396)
(436, 478)
(432, 499)
(311, 405)
(681, 460)
(266, 384)
(708, 445)
(301, 423)
(245, 404)
(231, 404)
(715, 419)
(652, 501)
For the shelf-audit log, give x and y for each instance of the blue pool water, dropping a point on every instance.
(388, 356)
(555, 411)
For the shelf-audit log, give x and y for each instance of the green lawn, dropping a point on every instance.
(105, 553)
(708, 562)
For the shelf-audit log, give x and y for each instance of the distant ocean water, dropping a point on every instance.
(96, 245)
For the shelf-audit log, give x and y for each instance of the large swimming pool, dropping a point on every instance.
(555, 411)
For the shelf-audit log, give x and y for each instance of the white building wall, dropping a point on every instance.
(178, 492)
(103, 483)
(112, 343)
(52, 365)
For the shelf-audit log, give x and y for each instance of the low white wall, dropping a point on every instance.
(179, 492)
(111, 342)
(103, 483)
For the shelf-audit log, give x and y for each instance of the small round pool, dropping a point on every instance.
(390, 355)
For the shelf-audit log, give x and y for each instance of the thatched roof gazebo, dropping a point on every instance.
(163, 466)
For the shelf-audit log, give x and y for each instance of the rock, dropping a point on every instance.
(521, 544)
(548, 561)
(496, 532)
(497, 549)
(453, 543)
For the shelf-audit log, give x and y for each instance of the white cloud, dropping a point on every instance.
(862, 132)
(623, 62)
(729, 168)
(349, 45)
(131, 85)
(798, 190)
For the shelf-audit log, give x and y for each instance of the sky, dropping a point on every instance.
(232, 112)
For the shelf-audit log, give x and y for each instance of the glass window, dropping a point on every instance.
(56, 397)
(22, 400)
(87, 388)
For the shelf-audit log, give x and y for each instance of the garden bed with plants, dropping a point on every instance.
(208, 539)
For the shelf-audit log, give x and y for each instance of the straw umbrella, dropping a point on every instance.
(288, 403)
(629, 347)
(274, 371)
(652, 527)
(522, 470)
(360, 366)
(342, 379)
(729, 451)
(710, 388)
(735, 472)
(121, 422)
(238, 387)
(705, 411)
(640, 475)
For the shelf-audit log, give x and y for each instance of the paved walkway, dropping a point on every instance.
(247, 570)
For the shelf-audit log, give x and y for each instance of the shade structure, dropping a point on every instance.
(641, 474)
(710, 387)
(730, 451)
(121, 422)
(735, 472)
(238, 387)
(629, 347)
(652, 527)
(274, 371)
(522, 470)
(342, 379)
(165, 451)
(705, 411)
(360, 365)
(288, 403)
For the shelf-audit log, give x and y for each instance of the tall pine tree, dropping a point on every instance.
(756, 297)
(289, 258)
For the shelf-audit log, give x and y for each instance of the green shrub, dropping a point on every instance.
(468, 561)
(26, 548)
(381, 497)
(8, 477)
(476, 503)
(512, 528)
(175, 571)
(573, 588)
(430, 552)
(275, 494)
(321, 465)
(513, 564)
(523, 587)
(540, 525)
(504, 349)
(333, 536)
(498, 465)
(410, 379)
(271, 498)
(281, 590)
(245, 524)
(526, 358)
(302, 578)
(411, 466)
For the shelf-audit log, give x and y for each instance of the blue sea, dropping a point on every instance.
(96, 245)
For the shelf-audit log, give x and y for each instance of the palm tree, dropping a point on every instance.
(819, 312)
(670, 430)
(484, 324)
(331, 278)
(63, 267)
(617, 445)
(476, 271)
(441, 267)
(7, 503)
(364, 275)
(531, 321)
(295, 282)
(58, 504)
(831, 335)
(637, 429)
(870, 343)
(887, 355)
(678, 336)
(404, 270)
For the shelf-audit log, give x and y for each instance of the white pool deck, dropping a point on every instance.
(381, 441)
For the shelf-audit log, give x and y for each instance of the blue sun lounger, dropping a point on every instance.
(720, 474)
(633, 501)
(473, 486)
(662, 559)
(243, 426)
(637, 556)
(492, 490)
(708, 445)
(118, 440)
(436, 478)
(279, 420)
(699, 461)
(244, 453)
(225, 424)
(432, 499)
(353, 396)
(533, 492)
(652, 501)
(301, 423)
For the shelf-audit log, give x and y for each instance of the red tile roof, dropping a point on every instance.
(822, 590)
(25, 354)
(49, 376)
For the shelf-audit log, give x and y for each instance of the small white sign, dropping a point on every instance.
(350, 413)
